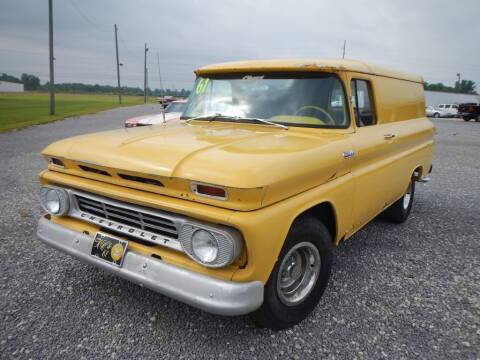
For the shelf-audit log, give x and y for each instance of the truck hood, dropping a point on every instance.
(241, 156)
(158, 118)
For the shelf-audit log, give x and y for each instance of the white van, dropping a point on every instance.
(451, 110)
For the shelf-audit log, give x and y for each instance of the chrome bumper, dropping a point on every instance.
(198, 290)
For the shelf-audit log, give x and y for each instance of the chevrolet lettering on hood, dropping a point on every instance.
(235, 206)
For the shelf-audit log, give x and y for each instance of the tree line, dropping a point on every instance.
(32, 83)
(461, 87)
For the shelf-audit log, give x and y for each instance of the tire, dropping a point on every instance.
(466, 118)
(477, 119)
(436, 115)
(279, 310)
(399, 211)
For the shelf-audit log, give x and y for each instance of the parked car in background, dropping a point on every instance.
(165, 100)
(451, 110)
(172, 112)
(436, 113)
(236, 209)
(469, 111)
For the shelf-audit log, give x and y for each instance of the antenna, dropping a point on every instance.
(344, 46)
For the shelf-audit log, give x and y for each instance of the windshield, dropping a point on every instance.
(175, 107)
(315, 101)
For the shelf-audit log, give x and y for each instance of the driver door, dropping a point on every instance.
(372, 169)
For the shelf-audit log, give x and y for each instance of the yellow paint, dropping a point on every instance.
(305, 65)
(271, 175)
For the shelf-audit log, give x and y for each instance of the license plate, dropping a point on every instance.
(109, 248)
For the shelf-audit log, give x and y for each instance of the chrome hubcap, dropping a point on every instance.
(407, 197)
(299, 272)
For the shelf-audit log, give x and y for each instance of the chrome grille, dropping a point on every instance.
(130, 217)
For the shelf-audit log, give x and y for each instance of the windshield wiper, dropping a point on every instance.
(260, 120)
(210, 117)
(218, 116)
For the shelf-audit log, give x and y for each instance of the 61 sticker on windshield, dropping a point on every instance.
(202, 86)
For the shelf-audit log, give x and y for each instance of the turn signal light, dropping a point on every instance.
(211, 191)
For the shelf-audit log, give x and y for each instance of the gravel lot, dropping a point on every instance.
(397, 291)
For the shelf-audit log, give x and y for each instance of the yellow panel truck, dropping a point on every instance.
(237, 207)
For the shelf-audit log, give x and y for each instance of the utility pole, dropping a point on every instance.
(344, 46)
(159, 74)
(50, 44)
(145, 76)
(146, 88)
(118, 67)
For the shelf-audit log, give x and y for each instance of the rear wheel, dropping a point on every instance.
(477, 119)
(299, 276)
(466, 118)
(398, 212)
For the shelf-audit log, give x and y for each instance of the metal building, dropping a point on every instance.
(6, 86)
(434, 98)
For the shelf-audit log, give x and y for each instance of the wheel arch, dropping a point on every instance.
(324, 212)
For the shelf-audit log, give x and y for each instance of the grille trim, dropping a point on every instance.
(147, 224)
(140, 179)
(94, 170)
(112, 212)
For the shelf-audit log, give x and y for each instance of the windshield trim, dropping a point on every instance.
(279, 75)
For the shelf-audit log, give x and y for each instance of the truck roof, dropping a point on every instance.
(305, 65)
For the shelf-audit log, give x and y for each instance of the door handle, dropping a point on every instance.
(348, 154)
(388, 136)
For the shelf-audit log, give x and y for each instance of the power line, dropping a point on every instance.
(125, 47)
(84, 16)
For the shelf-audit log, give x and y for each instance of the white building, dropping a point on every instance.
(434, 98)
(6, 86)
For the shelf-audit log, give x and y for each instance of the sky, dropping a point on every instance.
(433, 38)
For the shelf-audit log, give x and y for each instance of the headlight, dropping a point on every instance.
(204, 246)
(54, 200)
(211, 245)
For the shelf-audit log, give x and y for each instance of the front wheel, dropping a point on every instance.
(299, 276)
(466, 118)
(436, 115)
(398, 212)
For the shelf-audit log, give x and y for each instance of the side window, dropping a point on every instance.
(441, 106)
(447, 106)
(362, 103)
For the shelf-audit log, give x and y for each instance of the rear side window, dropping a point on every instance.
(447, 106)
(362, 103)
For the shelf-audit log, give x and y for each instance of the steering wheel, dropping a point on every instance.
(319, 109)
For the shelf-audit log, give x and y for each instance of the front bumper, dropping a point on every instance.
(198, 290)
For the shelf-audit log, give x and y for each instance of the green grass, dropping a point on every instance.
(24, 109)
